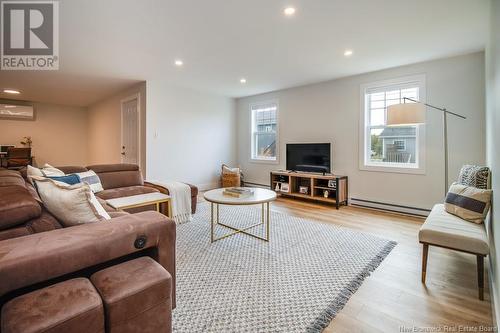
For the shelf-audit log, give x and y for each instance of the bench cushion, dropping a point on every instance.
(443, 229)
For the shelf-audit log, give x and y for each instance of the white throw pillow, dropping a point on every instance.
(70, 204)
(91, 178)
(226, 169)
(47, 171)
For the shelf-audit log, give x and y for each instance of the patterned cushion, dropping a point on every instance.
(468, 202)
(473, 175)
(91, 178)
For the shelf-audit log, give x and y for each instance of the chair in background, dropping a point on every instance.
(18, 158)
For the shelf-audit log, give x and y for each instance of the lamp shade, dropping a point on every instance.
(405, 114)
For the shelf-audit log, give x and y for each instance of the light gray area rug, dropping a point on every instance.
(297, 282)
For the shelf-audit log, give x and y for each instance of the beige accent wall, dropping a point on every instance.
(104, 127)
(59, 134)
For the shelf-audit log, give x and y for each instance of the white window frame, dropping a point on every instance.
(364, 138)
(252, 139)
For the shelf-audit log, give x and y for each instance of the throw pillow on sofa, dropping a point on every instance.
(468, 202)
(91, 178)
(70, 179)
(70, 204)
(46, 171)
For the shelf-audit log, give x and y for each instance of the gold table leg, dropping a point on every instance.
(265, 220)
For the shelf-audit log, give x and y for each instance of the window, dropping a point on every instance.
(264, 131)
(391, 148)
(400, 145)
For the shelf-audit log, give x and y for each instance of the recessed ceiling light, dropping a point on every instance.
(243, 80)
(179, 62)
(289, 11)
(11, 91)
(348, 53)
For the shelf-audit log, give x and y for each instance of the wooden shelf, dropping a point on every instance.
(325, 188)
(315, 182)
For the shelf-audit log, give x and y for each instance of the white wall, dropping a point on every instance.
(329, 112)
(189, 134)
(493, 144)
(59, 134)
(104, 120)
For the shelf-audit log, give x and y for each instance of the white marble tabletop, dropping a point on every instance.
(260, 195)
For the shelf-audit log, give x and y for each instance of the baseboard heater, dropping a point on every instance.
(422, 212)
(255, 185)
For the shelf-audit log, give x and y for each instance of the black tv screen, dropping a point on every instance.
(308, 157)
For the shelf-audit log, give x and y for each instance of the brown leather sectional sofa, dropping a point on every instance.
(82, 278)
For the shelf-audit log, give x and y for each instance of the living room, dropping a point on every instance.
(360, 136)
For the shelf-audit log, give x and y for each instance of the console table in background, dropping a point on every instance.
(316, 185)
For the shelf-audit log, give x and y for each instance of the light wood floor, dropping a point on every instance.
(393, 295)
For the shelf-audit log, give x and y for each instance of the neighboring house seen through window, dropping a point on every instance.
(391, 148)
(264, 118)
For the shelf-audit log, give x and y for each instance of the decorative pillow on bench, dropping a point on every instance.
(468, 202)
(474, 175)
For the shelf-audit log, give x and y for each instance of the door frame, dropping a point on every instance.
(136, 96)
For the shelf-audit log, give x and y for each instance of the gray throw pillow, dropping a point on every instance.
(473, 175)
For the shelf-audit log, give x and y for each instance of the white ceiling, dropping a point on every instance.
(108, 45)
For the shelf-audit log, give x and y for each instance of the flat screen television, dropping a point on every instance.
(308, 157)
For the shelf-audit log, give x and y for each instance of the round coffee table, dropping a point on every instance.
(259, 196)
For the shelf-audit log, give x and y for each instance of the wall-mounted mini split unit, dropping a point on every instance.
(19, 110)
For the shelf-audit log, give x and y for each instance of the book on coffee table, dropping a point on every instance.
(238, 192)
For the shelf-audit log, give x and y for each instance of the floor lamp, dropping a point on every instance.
(414, 114)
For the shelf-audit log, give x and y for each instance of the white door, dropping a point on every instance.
(130, 130)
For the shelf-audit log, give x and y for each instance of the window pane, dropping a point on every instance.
(264, 125)
(376, 147)
(393, 145)
(390, 146)
(393, 94)
(377, 104)
(377, 96)
(410, 93)
(377, 117)
(393, 101)
(265, 145)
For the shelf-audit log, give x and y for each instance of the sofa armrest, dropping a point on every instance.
(40, 257)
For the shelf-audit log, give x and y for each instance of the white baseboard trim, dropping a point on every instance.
(395, 208)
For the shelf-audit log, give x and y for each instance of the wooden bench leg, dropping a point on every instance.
(480, 276)
(425, 251)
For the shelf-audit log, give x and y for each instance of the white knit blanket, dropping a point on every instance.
(180, 195)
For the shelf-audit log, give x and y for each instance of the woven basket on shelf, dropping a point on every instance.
(230, 178)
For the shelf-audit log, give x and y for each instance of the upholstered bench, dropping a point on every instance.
(451, 232)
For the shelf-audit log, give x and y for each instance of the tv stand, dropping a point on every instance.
(327, 188)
